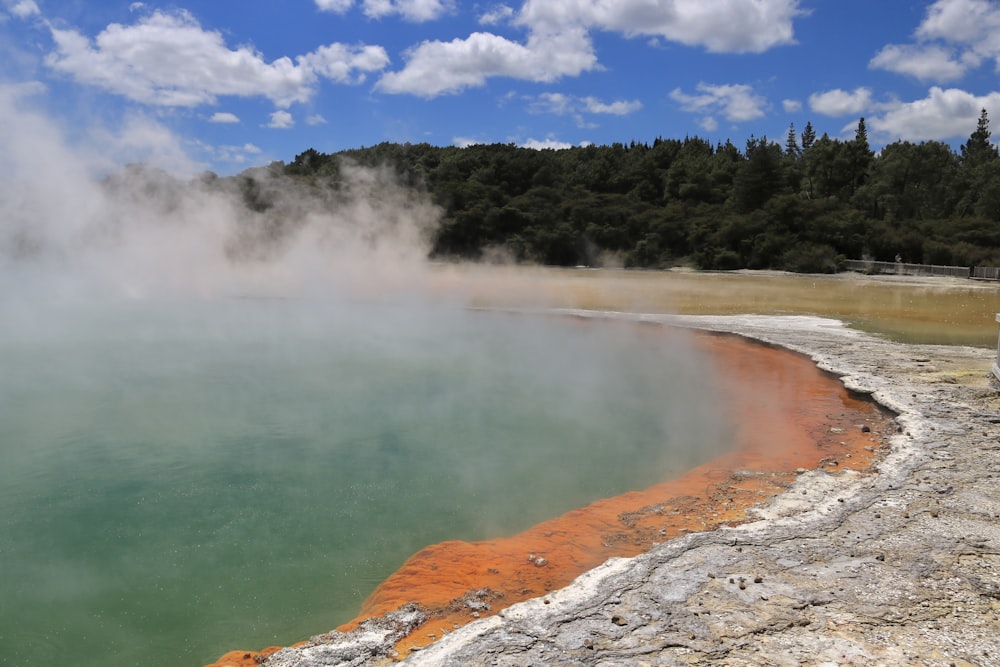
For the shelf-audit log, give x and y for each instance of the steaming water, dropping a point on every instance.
(181, 478)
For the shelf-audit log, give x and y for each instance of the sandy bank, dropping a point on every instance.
(900, 567)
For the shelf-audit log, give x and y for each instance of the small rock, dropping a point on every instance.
(618, 620)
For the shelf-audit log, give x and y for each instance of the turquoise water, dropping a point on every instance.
(182, 478)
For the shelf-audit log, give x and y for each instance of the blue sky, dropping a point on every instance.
(225, 84)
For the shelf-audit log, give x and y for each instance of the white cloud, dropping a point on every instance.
(497, 15)
(228, 154)
(736, 102)
(554, 103)
(561, 105)
(315, 119)
(616, 108)
(23, 9)
(281, 120)
(411, 10)
(559, 44)
(465, 142)
(944, 114)
(16, 91)
(955, 36)
(544, 144)
(968, 21)
(722, 26)
(838, 102)
(335, 6)
(924, 62)
(345, 64)
(434, 68)
(224, 117)
(791, 106)
(709, 124)
(169, 60)
(569, 105)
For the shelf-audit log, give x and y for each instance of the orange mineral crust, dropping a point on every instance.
(788, 416)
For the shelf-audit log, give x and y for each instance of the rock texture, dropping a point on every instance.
(899, 567)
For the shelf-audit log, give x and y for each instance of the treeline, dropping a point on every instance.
(804, 205)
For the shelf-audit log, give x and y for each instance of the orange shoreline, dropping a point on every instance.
(790, 416)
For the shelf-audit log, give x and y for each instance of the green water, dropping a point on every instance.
(180, 479)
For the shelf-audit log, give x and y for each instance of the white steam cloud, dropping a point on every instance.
(138, 231)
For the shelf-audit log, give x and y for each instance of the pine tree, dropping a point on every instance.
(979, 150)
(792, 149)
(808, 137)
(861, 136)
(860, 156)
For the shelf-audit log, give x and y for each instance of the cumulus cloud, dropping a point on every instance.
(343, 63)
(560, 104)
(721, 26)
(955, 37)
(838, 102)
(228, 154)
(465, 142)
(924, 62)
(315, 119)
(791, 106)
(616, 108)
(944, 114)
(281, 120)
(545, 144)
(23, 9)
(335, 6)
(969, 21)
(16, 91)
(434, 68)
(736, 102)
(168, 59)
(709, 124)
(224, 117)
(559, 42)
(497, 15)
(411, 10)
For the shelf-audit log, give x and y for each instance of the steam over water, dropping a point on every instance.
(223, 425)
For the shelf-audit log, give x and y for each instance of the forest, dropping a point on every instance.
(805, 205)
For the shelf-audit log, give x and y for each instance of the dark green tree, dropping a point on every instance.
(808, 136)
(760, 175)
(792, 149)
(978, 149)
(859, 155)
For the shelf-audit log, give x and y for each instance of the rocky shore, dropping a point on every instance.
(896, 567)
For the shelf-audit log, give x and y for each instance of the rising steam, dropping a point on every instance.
(141, 231)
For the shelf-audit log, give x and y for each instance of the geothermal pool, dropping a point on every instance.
(182, 477)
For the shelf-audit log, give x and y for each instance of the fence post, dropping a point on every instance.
(996, 364)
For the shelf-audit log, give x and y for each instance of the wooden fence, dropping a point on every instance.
(905, 269)
(985, 273)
